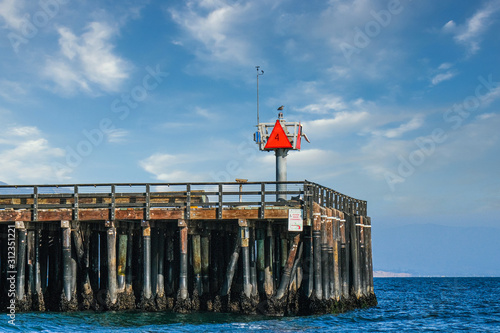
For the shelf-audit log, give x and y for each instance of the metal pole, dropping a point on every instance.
(146, 238)
(122, 260)
(281, 154)
(258, 74)
(111, 242)
(66, 254)
(247, 286)
(183, 276)
(21, 263)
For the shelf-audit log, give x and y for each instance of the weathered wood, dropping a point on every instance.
(287, 272)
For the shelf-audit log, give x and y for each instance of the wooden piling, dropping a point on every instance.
(205, 261)
(261, 262)
(355, 247)
(318, 277)
(231, 267)
(196, 250)
(268, 270)
(324, 256)
(287, 271)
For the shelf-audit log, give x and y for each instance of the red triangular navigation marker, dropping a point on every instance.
(278, 138)
(297, 145)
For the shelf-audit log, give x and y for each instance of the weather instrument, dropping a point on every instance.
(280, 137)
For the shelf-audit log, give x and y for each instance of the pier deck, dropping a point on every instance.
(184, 247)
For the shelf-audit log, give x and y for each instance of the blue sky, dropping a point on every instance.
(400, 99)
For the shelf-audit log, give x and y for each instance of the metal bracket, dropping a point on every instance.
(65, 224)
(181, 223)
(20, 225)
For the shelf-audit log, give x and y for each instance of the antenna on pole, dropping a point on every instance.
(259, 72)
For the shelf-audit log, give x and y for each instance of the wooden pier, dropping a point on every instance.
(221, 247)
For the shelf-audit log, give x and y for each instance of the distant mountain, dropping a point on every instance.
(2, 183)
(389, 274)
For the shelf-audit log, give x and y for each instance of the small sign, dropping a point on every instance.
(295, 220)
(278, 138)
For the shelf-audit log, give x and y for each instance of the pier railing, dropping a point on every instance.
(173, 195)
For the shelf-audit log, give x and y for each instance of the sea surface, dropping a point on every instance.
(405, 305)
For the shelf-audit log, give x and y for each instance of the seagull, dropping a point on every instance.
(281, 107)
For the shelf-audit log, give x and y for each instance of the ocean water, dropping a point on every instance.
(405, 305)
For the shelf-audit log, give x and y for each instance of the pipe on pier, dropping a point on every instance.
(253, 264)
(344, 263)
(128, 268)
(111, 243)
(160, 281)
(66, 262)
(122, 260)
(245, 240)
(336, 256)
(31, 261)
(183, 276)
(287, 271)
(21, 261)
(146, 249)
(330, 241)
(38, 271)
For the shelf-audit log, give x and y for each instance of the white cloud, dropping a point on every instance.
(415, 123)
(341, 122)
(117, 135)
(87, 62)
(326, 105)
(469, 33)
(11, 91)
(10, 13)
(27, 156)
(173, 168)
(438, 78)
(214, 24)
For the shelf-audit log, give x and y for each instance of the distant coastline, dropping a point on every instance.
(383, 274)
